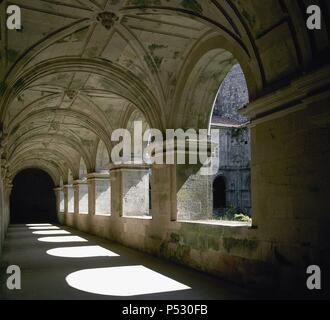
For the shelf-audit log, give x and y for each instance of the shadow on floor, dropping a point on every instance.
(44, 275)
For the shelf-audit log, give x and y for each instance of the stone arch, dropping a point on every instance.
(51, 171)
(201, 76)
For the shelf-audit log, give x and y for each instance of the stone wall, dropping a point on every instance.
(102, 196)
(290, 184)
(233, 150)
(232, 95)
(83, 198)
(194, 194)
(5, 191)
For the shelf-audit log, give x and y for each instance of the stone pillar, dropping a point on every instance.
(69, 198)
(9, 188)
(130, 189)
(116, 192)
(57, 192)
(194, 193)
(60, 204)
(99, 186)
(192, 182)
(80, 197)
(163, 195)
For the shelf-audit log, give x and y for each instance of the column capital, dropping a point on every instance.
(129, 167)
(98, 176)
(78, 182)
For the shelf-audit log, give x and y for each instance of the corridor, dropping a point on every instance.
(51, 268)
(195, 131)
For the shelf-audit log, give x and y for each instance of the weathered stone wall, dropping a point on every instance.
(290, 183)
(102, 196)
(83, 198)
(61, 198)
(4, 207)
(232, 95)
(70, 199)
(135, 192)
(194, 194)
(234, 155)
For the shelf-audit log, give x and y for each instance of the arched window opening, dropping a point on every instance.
(102, 181)
(102, 158)
(81, 189)
(70, 193)
(232, 189)
(62, 199)
(136, 177)
(82, 170)
(225, 194)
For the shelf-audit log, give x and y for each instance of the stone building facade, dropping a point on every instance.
(233, 180)
(232, 183)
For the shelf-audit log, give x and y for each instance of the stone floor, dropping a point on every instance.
(107, 270)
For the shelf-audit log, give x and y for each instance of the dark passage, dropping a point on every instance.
(219, 193)
(32, 199)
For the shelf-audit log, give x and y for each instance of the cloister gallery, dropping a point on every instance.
(78, 70)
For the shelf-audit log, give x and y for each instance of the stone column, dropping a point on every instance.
(116, 191)
(57, 192)
(191, 184)
(99, 187)
(163, 200)
(80, 197)
(130, 190)
(8, 190)
(67, 195)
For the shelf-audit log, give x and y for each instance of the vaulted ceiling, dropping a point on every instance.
(78, 69)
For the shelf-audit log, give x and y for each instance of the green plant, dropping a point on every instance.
(233, 214)
(242, 217)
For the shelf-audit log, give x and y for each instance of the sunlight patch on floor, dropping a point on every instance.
(124, 281)
(62, 239)
(38, 225)
(82, 252)
(51, 232)
(44, 228)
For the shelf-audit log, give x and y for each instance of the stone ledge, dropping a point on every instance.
(231, 224)
(297, 95)
(138, 217)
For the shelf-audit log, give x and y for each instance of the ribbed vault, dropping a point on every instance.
(80, 69)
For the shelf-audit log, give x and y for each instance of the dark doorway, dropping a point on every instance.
(33, 199)
(219, 193)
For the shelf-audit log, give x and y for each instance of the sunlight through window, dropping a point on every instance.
(62, 239)
(44, 228)
(51, 232)
(82, 252)
(123, 281)
(39, 225)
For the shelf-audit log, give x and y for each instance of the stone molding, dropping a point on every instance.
(299, 94)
